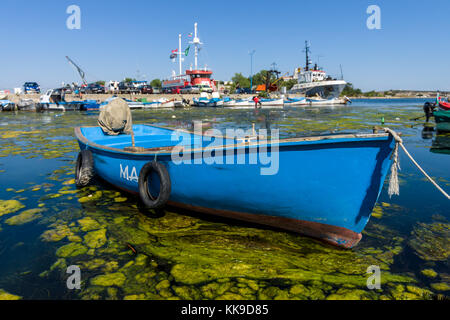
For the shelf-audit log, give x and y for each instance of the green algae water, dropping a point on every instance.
(127, 252)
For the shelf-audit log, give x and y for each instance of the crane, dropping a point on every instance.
(81, 72)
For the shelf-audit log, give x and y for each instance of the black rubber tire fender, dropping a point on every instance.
(84, 170)
(165, 185)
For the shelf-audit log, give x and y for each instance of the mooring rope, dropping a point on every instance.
(393, 182)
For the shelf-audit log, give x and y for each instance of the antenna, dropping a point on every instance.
(342, 74)
(318, 59)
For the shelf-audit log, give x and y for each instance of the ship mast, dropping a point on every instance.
(307, 56)
(196, 42)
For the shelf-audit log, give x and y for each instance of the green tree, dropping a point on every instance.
(241, 81)
(262, 77)
(350, 91)
(129, 80)
(156, 83)
(101, 82)
(288, 84)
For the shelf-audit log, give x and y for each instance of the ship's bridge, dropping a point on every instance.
(312, 76)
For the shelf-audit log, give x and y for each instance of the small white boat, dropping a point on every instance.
(164, 103)
(296, 102)
(272, 102)
(326, 102)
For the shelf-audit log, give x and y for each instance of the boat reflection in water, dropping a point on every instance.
(441, 144)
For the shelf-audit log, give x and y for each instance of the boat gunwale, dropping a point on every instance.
(79, 135)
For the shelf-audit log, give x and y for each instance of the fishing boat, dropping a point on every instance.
(54, 100)
(205, 101)
(299, 190)
(312, 81)
(442, 119)
(7, 105)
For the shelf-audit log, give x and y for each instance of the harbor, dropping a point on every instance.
(287, 183)
(189, 255)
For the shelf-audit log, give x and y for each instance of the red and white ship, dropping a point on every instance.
(198, 79)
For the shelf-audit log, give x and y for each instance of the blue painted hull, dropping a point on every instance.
(324, 188)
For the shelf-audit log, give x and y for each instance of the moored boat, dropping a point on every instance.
(325, 102)
(272, 102)
(290, 197)
(296, 102)
(444, 105)
(442, 119)
(7, 105)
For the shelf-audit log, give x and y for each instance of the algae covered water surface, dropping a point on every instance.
(127, 252)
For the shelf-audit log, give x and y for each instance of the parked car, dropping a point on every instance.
(147, 89)
(93, 88)
(31, 87)
(204, 88)
(127, 87)
(190, 89)
(244, 91)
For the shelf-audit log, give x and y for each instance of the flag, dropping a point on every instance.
(190, 35)
(173, 56)
(186, 52)
(175, 51)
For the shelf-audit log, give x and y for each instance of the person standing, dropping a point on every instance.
(257, 101)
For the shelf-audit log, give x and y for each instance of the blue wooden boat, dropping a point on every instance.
(325, 186)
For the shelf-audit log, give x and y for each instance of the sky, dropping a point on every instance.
(118, 38)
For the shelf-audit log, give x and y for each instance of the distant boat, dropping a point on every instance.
(271, 102)
(296, 102)
(7, 105)
(324, 187)
(205, 101)
(53, 100)
(331, 101)
(312, 81)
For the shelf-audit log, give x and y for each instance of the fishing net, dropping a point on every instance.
(115, 118)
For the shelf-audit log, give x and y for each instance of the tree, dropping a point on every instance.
(129, 80)
(102, 83)
(262, 77)
(156, 83)
(241, 81)
(350, 91)
(288, 84)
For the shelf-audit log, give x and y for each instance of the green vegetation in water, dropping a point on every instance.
(431, 242)
(127, 254)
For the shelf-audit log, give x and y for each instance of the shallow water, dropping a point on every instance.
(125, 251)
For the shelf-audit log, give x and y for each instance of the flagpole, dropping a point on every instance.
(196, 49)
(179, 52)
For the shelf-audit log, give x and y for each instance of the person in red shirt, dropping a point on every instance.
(256, 100)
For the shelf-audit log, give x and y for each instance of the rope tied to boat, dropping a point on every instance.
(393, 181)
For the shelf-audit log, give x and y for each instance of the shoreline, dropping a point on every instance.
(102, 97)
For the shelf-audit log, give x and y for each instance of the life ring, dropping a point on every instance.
(165, 185)
(84, 170)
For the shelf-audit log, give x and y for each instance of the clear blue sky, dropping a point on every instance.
(117, 38)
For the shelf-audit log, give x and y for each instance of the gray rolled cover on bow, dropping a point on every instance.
(115, 118)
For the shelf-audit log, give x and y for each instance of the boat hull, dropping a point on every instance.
(442, 119)
(328, 200)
